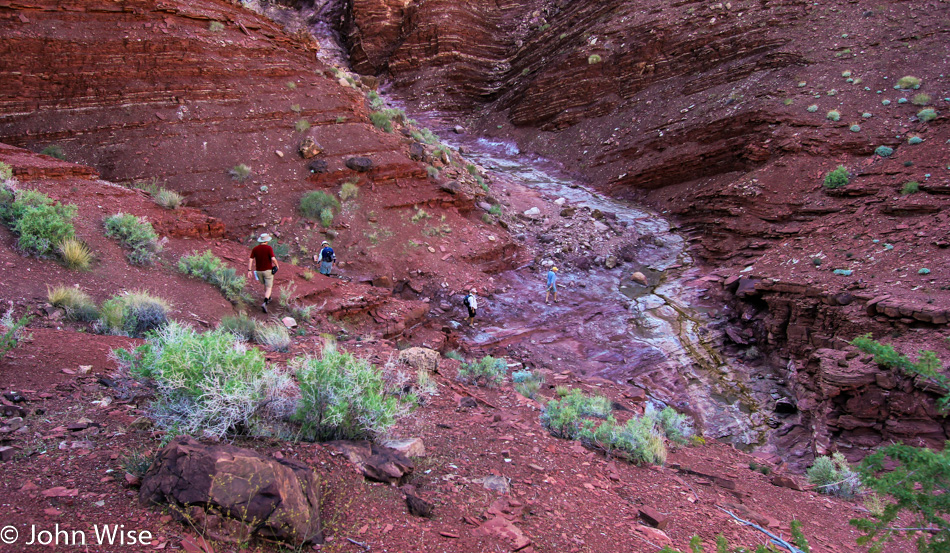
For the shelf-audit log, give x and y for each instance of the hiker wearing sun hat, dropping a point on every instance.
(263, 261)
(327, 257)
(471, 303)
(552, 284)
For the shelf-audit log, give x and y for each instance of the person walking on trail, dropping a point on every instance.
(327, 257)
(552, 284)
(471, 303)
(264, 264)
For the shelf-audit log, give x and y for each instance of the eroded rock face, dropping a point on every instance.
(236, 492)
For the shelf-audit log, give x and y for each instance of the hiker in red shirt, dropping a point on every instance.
(265, 263)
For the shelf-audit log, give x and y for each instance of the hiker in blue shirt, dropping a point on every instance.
(552, 284)
(327, 257)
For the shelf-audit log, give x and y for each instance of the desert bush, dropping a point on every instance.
(136, 234)
(432, 171)
(884, 151)
(40, 223)
(54, 150)
(593, 58)
(169, 199)
(911, 187)
(812, 108)
(240, 172)
(207, 384)
(920, 99)
(132, 314)
(302, 125)
(215, 26)
(908, 82)
(307, 275)
(319, 204)
(486, 372)
(833, 476)
(675, 425)
(210, 268)
(381, 120)
(855, 128)
(6, 172)
(639, 440)
(77, 304)
(914, 140)
(241, 326)
(452, 354)
(348, 191)
(837, 178)
(833, 115)
(273, 336)
(75, 254)
(419, 215)
(11, 332)
(928, 114)
(527, 383)
(343, 397)
(425, 135)
(592, 406)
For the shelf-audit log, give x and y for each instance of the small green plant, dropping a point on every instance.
(928, 114)
(207, 383)
(41, 223)
(914, 140)
(136, 234)
(527, 383)
(295, 108)
(788, 101)
(920, 99)
(452, 354)
(215, 26)
(169, 199)
(12, 331)
(240, 172)
(343, 397)
(837, 178)
(75, 254)
(425, 135)
(855, 128)
(911, 187)
(593, 58)
(486, 372)
(487, 219)
(812, 108)
(675, 425)
(833, 115)
(383, 119)
(420, 215)
(846, 74)
(241, 326)
(307, 275)
(291, 85)
(273, 336)
(281, 250)
(210, 268)
(77, 304)
(132, 314)
(763, 469)
(6, 172)
(137, 461)
(495, 210)
(319, 204)
(884, 151)
(302, 125)
(866, 115)
(340, 119)
(908, 82)
(833, 476)
(432, 172)
(54, 150)
(349, 191)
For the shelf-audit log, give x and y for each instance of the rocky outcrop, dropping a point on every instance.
(235, 493)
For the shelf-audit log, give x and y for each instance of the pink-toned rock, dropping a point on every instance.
(655, 535)
(60, 491)
(653, 517)
(783, 481)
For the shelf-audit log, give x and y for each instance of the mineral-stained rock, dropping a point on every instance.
(639, 278)
(418, 507)
(855, 374)
(360, 164)
(377, 462)
(318, 166)
(230, 486)
(420, 358)
(309, 148)
(417, 152)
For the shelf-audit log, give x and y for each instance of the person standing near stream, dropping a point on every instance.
(552, 285)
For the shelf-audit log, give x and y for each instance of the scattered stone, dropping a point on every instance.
(360, 164)
(419, 507)
(458, 129)
(655, 535)
(560, 201)
(209, 483)
(411, 447)
(495, 483)
(505, 529)
(278, 153)
(318, 166)
(417, 152)
(653, 517)
(85, 369)
(309, 148)
(370, 81)
(376, 462)
(639, 278)
(14, 396)
(783, 481)
(60, 491)
(289, 322)
(610, 262)
(534, 214)
(7, 453)
(445, 534)
(12, 411)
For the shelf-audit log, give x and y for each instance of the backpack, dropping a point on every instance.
(465, 300)
(326, 254)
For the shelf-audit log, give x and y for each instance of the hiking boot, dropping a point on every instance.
(264, 307)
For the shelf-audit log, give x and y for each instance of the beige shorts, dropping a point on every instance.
(266, 277)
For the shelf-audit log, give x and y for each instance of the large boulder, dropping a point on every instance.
(420, 358)
(360, 164)
(235, 493)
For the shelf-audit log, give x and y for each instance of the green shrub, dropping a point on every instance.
(6, 172)
(911, 187)
(241, 326)
(132, 314)
(914, 140)
(527, 383)
(302, 125)
(638, 441)
(383, 119)
(137, 461)
(169, 199)
(452, 354)
(593, 58)
(928, 114)
(210, 268)
(12, 331)
(420, 215)
(215, 26)
(75, 254)
(837, 178)
(833, 476)
(908, 82)
(675, 425)
(833, 115)
(208, 384)
(866, 115)
(273, 336)
(425, 135)
(920, 99)
(349, 191)
(432, 172)
(495, 210)
(77, 304)
(812, 108)
(343, 397)
(54, 150)
(240, 172)
(855, 128)
(136, 234)
(41, 223)
(319, 204)
(486, 372)
(884, 151)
